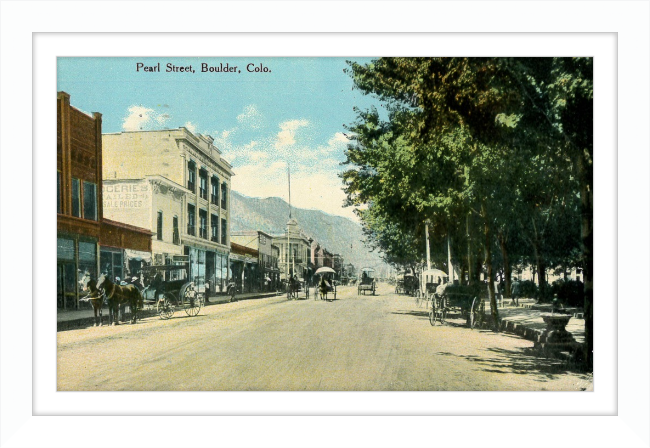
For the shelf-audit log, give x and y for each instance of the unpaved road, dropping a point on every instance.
(358, 343)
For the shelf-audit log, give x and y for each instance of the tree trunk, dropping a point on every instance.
(585, 178)
(507, 271)
(490, 272)
(541, 266)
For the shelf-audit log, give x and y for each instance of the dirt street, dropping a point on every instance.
(379, 343)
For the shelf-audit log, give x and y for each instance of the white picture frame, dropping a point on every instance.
(32, 413)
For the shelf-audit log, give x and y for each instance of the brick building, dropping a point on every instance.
(81, 229)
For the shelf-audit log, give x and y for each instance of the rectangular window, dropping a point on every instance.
(214, 190)
(90, 201)
(203, 184)
(88, 258)
(76, 198)
(224, 227)
(58, 191)
(203, 224)
(191, 176)
(223, 195)
(65, 249)
(176, 236)
(191, 217)
(214, 228)
(159, 226)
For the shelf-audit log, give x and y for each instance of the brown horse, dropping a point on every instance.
(118, 295)
(95, 297)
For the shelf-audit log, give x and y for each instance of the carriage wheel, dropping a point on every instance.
(191, 300)
(432, 313)
(165, 307)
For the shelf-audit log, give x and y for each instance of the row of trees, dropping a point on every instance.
(493, 153)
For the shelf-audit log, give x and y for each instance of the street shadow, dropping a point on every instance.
(522, 361)
(412, 313)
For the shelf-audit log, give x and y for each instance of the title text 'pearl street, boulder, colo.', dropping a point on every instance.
(205, 68)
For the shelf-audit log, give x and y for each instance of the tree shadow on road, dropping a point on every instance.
(412, 313)
(522, 361)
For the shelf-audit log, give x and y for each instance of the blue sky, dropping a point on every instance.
(260, 120)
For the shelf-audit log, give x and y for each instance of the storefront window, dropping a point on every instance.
(88, 257)
(197, 267)
(90, 201)
(111, 262)
(65, 249)
(76, 200)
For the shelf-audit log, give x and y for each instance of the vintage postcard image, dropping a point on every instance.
(324, 224)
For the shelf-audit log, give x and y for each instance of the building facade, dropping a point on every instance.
(295, 251)
(82, 233)
(269, 273)
(178, 184)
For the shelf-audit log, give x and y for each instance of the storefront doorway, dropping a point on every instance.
(66, 286)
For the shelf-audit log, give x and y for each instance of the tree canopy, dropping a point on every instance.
(496, 150)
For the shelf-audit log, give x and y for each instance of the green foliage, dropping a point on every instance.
(496, 137)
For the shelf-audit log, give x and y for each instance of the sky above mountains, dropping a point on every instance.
(263, 113)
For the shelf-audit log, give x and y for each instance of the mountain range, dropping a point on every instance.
(337, 234)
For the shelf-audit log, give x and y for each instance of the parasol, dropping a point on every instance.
(324, 270)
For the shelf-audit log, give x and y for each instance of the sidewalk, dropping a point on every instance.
(526, 321)
(69, 320)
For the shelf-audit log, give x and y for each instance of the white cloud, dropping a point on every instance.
(251, 117)
(339, 139)
(287, 134)
(190, 127)
(140, 118)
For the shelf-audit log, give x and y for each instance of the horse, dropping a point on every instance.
(324, 288)
(95, 297)
(118, 295)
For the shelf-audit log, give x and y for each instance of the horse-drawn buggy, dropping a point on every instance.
(326, 284)
(297, 288)
(168, 288)
(462, 300)
(366, 282)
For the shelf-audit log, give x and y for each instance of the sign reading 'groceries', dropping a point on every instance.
(125, 195)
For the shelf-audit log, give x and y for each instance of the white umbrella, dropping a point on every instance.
(324, 270)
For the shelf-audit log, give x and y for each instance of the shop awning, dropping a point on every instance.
(138, 255)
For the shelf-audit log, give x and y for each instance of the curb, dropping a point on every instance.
(538, 337)
(85, 322)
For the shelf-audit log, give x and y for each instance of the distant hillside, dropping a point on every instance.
(339, 235)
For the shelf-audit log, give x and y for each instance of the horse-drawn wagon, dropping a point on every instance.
(168, 288)
(366, 282)
(462, 300)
